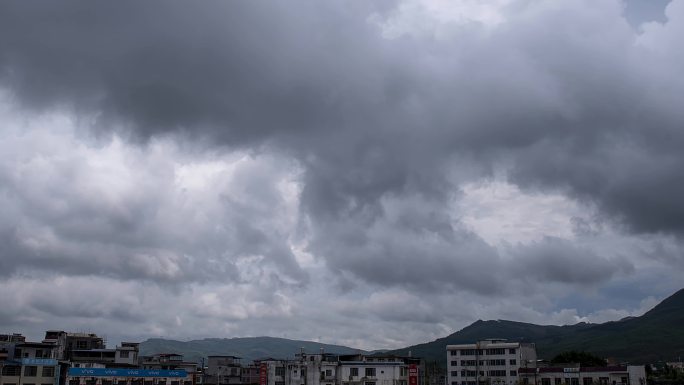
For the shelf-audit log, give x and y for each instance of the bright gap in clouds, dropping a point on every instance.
(500, 212)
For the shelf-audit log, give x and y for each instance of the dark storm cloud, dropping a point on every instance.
(385, 130)
(557, 260)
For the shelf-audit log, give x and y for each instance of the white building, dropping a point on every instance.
(376, 370)
(332, 369)
(576, 375)
(488, 362)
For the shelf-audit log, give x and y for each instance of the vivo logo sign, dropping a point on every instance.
(106, 372)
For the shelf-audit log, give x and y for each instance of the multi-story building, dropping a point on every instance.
(489, 362)
(377, 370)
(574, 374)
(127, 376)
(172, 361)
(28, 363)
(333, 369)
(124, 356)
(250, 374)
(66, 343)
(223, 370)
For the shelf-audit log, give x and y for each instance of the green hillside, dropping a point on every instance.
(248, 348)
(657, 335)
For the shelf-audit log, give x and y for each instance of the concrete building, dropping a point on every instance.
(68, 342)
(333, 369)
(223, 370)
(573, 374)
(28, 363)
(172, 361)
(489, 362)
(124, 356)
(127, 376)
(377, 370)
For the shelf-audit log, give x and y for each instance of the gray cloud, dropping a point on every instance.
(357, 126)
(377, 119)
(558, 260)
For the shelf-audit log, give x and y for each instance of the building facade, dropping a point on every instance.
(576, 375)
(489, 362)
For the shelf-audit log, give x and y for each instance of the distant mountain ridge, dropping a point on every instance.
(248, 348)
(656, 335)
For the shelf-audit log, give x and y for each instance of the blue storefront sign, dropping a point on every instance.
(39, 361)
(106, 372)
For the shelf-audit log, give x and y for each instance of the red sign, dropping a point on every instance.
(263, 375)
(413, 374)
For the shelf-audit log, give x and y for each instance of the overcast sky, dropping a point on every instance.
(374, 174)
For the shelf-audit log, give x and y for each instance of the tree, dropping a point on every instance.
(583, 358)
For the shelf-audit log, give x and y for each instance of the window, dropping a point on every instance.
(39, 353)
(280, 371)
(497, 373)
(124, 353)
(467, 352)
(454, 363)
(499, 362)
(512, 362)
(453, 352)
(514, 373)
(370, 372)
(81, 344)
(354, 372)
(403, 371)
(17, 352)
(574, 381)
(187, 382)
(49, 371)
(557, 381)
(546, 381)
(11, 371)
(623, 380)
(494, 352)
(587, 381)
(148, 383)
(454, 373)
(73, 381)
(328, 372)
(106, 382)
(30, 371)
(370, 383)
(511, 351)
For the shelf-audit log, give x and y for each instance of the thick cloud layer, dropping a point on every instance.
(313, 148)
